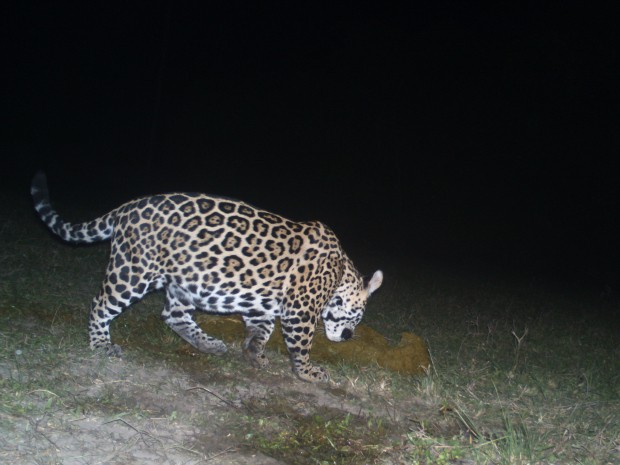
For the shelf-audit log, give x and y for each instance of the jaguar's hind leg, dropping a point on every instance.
(178, 315)
(121, 288)
(106, 306)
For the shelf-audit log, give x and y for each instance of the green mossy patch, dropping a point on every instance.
(368, 347)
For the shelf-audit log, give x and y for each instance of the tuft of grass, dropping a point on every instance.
(424, 449)
(322, 438)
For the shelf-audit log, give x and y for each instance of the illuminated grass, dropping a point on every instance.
(519, 374)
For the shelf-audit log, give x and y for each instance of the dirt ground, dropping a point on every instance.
(152, 404)
(100, 410)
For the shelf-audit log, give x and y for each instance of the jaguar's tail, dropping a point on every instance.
(97, 230)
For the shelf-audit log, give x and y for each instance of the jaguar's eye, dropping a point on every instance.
(337, 301)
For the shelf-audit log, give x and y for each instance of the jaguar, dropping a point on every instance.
(221, 256)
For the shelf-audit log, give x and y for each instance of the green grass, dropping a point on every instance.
(325, 437)
(530, 375)
(522, 372)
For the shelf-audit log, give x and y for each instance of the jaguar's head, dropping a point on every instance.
(346, 307)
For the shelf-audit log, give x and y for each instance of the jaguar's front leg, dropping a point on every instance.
(257, 333)
(298, 334)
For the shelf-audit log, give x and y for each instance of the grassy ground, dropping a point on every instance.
(522, 373)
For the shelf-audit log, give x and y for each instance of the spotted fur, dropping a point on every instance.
(221, 256)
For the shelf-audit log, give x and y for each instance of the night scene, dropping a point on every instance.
(310, 233)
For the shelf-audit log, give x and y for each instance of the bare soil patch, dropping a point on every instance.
(84, 408)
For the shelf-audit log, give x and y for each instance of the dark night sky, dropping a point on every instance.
(446, 131)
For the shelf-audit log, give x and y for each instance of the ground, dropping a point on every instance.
(523, 371)
(86, 408)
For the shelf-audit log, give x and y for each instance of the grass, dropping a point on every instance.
(336, 438)
(522, 372)
(531, 376)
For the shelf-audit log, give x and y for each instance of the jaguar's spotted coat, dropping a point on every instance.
(222, 256)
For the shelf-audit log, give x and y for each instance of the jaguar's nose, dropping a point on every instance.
(346, 334)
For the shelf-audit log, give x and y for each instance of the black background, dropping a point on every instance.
(459, 133)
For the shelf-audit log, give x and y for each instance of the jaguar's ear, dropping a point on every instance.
(374, 283)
